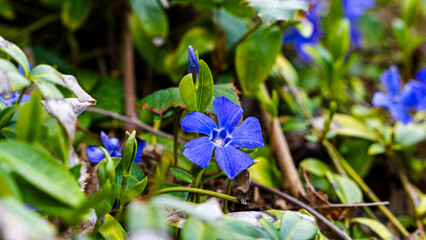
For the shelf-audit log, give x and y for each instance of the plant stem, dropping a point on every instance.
(120, 207)
(21, 94)
(228, 190)
(198, 191)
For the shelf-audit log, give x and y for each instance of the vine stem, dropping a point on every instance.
(198, 191)
(120, 207)
(228, 190)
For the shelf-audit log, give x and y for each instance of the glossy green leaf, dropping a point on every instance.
(14, 78)
(194, 229)
(238, 8)
(297, 226)
(265, 172)
(75, 12)
(350, 126)
(48, 90)
(275, 10)
(181, 175)
(355, 151)
(22, 224)
(9, 188)
(162, 100)
(152, 17)
(187, 92)
(376, 148)
(270, 228)
(16, 53)
(339, 41)
(315, 166)
(37, 166)
(134, 191)
(205, 87)
(47, 73)
(57, 138)
(375, 226)
(255, 57)
(6, 115)
(153, 217)
(408, 135)
(111, 229)
(346, 189)
(30, 119)
(128, 153)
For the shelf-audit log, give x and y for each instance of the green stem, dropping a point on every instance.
(228, 190)
(21, 94)
(198, 191)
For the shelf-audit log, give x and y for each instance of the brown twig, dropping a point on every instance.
(134, 121)
(341, 233)
(129, 74)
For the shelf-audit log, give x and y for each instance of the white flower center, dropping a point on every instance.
(218, 141)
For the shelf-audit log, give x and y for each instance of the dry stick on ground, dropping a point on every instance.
(129, 74)
(284, 158)
(341, 233)
(134, 121)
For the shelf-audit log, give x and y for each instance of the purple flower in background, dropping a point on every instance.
(112, 145)
(420, 89)
(225, 138)
(353, 10)
(193, 66)
(397, 102)
(300, 40)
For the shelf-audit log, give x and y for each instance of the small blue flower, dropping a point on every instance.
(354, 10)
(193, 66)
(420, 89)
(292, 35)
(112, 145)
(225, 138)
(397, 102)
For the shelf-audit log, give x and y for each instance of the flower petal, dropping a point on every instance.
(400, 114)
(198, 122)
(247, 135)
(391, 80)
(232, 161)
(193, 66)
(228, 113)
(408, 97)
(139, 152)
(199, 151)
(94, 154)
(381, 99)
(421, 75)
(111, 143)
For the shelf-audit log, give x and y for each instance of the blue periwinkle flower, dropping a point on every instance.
(224, 139)
(112, 145)
(299, 40)
(193, 66)
(353, 10)
(419, 89)
(397, 102)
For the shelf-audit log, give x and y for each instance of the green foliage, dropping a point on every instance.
(205, 87)
(75, 12)
(188, 93)
(152, 17)
(30, 119)
(112, 230)
(181, 175)
(275, 10)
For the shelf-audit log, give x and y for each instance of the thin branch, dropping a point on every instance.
(338, 205)
(134, 121)
(341, 233)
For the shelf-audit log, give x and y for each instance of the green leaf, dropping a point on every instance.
(187, 92)
(75, 12)
(48, 89)
(355, 151)
(255, 57)
(134, 191)
(270, 228)
(161, 101)
(37, 166)
(194, 229)
(205, 87)
(21, 223)
(129, 153)
(315, 167)
(339, 40)
(6, 10)
(111, 229)
(16, 53)
(152, 17)
(6, 115)
(408, 135)
(153, 218)
(14, 78)
(47, 73)
(376, 148)
(265, 172)
(9, 188)
(238, 8)
(350, 126)
(275, 10)
(57, 138)
(297, 226)
(181, 175)
(30, 119)
(346, 189)
(375, 226)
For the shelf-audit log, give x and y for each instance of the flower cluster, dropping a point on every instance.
(112, 145)
(353, 11)
(300, 40)
(224, 139)
(399, 102)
